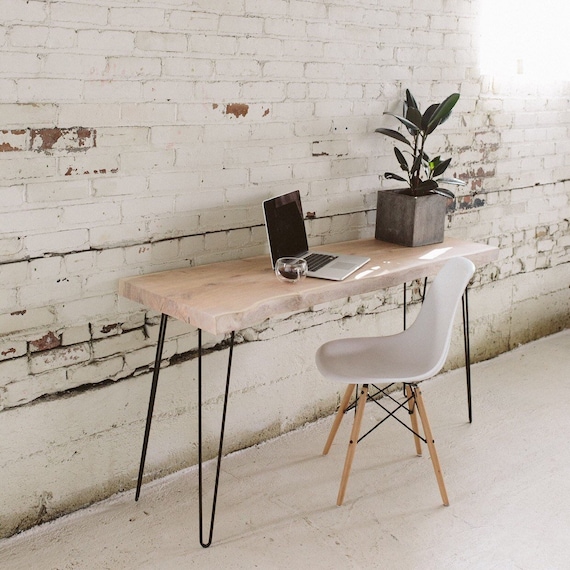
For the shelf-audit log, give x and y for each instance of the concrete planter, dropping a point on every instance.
(410, 220)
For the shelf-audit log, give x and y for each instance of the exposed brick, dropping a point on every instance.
(12, 348)
(100, 330)
(59, 358)
(237, 109)
(46, 342)
(13, 140)
(67, 140)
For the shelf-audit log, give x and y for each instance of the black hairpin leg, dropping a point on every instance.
(405, 301)
(405, 306)
(465, 306)
(221, 443)
(155, 373)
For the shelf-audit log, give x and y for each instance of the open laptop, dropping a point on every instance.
(288, 238)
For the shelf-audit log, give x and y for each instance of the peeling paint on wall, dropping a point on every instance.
(46, 342)
(464, 203)
(68, 140)
(477, 177)
(74, 139)
(13, 140)
(237, 109)
(112, 328)
(71, 171)
(469, 202)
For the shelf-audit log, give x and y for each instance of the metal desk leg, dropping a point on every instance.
(465, 305)
(406, 302)
(221, 442)
(155, 373)
(405, 306)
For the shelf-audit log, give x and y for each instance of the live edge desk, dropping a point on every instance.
(229, 296)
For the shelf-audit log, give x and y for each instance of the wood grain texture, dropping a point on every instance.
(231, 295)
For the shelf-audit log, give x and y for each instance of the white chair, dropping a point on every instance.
(413, 355)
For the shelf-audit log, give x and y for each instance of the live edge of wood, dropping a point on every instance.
(232, 295)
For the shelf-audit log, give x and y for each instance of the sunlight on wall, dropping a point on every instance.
(525, 38)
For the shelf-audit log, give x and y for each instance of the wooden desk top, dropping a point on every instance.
(232, 295)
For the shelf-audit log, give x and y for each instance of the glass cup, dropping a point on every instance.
(291, 269)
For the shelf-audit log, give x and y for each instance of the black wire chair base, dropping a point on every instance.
(407, 405)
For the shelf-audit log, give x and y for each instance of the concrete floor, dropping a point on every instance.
(507, 475)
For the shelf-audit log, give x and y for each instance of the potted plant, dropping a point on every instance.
(415, 215)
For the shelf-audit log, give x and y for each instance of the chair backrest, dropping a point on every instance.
(429, 336)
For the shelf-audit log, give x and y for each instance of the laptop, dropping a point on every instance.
(288, 238)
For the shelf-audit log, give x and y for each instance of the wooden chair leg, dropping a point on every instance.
(361, 404)
(414, 418)
(338, 417)
(431, 444)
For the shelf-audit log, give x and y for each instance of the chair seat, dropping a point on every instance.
(371, 360)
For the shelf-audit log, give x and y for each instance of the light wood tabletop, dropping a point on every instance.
(232, 295)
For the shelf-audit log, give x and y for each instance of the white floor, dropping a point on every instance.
(507, 475)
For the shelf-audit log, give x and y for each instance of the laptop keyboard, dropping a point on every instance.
(317, 260)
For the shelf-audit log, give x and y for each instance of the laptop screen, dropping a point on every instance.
(285, 226)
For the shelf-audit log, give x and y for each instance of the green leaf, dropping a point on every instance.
(426, 186)
(442, 112)
(410, 101)
(440, 167)
(392, 176)
(426, 117)
(443, 192)
(395, 135)
(414, 116)
(404, 122)
(454, 181)
(417, 165)
(401, 159)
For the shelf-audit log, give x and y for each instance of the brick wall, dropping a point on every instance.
(140, 138)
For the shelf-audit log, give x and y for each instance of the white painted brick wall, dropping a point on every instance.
(163, 127)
